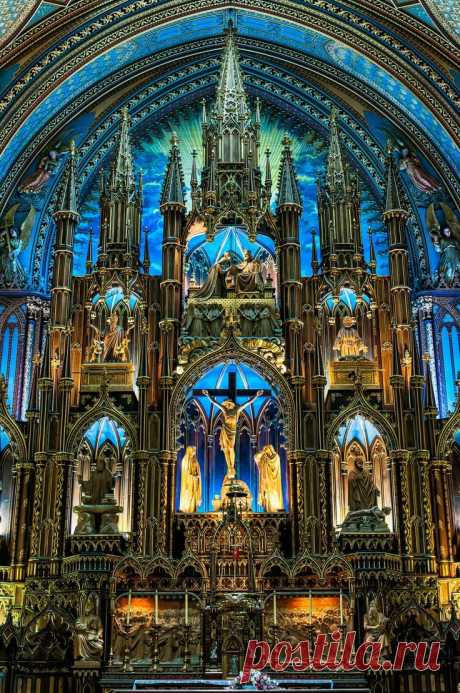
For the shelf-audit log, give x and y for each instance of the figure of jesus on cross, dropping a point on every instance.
(231, 412)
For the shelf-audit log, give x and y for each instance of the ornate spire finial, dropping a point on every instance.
(89, 254)
(146, 262)
(393, 201)
(314, 259)
(68, 199)
(288, 191)
(231, 104)
(336, 167)
(121, 176)
(173, 185)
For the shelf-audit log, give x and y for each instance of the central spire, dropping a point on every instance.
(231, 104)
(121, 175)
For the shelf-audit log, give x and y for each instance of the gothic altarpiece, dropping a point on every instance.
(227, 451)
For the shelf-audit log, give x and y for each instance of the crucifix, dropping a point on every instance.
(231, 412)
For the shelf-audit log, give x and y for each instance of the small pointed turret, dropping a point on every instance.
(173, 185)
(194, 186)
(146, 262)
(288, 194)
(121, 175)
(372, 260)
(89, 254)
(68, 199)
(204, 115)
(393, 201)
(314, 258)
(268, 176)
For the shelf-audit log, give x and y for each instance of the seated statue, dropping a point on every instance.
(270, 489)
(100, 484)
(362, 492)
(88, 643)
(348, 343)
(249, 278)
(375, 627)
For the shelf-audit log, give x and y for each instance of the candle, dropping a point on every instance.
(128, 618)
(310, 609)
(156, 607)
(186, 606)
(275, 620)
(341, 607)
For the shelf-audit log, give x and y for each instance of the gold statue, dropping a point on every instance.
(270, 490)
(231, 413)
(348, 342)
(190, 483)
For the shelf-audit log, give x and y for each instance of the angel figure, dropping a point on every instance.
(37, 180)
(12, 243)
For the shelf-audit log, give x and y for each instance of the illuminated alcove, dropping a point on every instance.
(202, 254)
(260, 424)
(359, 437)
(6, 486)
(107, 439)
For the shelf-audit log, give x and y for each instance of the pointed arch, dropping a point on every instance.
(231, 351)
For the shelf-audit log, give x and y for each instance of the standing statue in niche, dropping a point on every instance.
(270, 489)
(88, 643)
(362, 493)
(190, 484)
(115, 341)
(348, 343)
(231, 412)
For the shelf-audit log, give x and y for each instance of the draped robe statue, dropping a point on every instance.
(88, 643)
(362, 493)
(348, 343)
(190, 485)
(100, 484)
(231, 413)
(270, 489)
(375, 627)
(115, 341)
(214, 286)
(249, 278)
